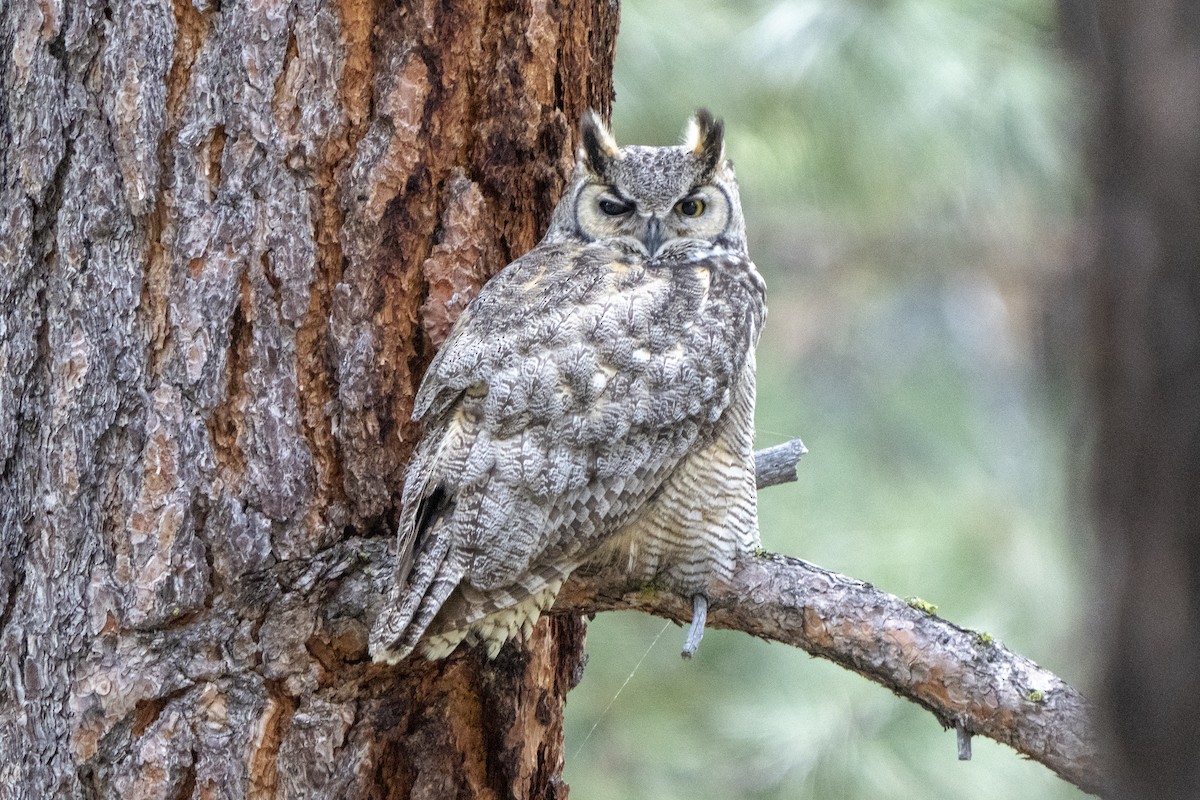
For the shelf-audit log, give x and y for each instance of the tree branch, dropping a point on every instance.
(776, 465)
(968, 680)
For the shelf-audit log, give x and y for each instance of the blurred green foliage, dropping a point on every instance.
(909, 173)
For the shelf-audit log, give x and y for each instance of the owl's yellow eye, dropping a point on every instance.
(691, 207)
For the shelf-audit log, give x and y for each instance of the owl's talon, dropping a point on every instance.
(696, 631)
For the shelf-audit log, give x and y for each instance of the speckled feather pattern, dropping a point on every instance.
(590, 404)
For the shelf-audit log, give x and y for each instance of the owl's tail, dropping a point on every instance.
(412, 604)
(493, 617)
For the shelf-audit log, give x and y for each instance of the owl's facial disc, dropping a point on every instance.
(652, 225)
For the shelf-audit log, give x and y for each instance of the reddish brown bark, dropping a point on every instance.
(233, 234)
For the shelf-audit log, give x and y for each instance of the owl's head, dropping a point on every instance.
(663, 203)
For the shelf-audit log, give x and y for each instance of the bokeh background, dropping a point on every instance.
(910, 176)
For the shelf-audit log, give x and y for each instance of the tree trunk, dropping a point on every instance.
(1143, 295)
(232, 234)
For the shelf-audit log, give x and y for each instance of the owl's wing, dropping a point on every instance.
(564, 397)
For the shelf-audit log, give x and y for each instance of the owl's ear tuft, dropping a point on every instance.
(599, 148)
(705, 137)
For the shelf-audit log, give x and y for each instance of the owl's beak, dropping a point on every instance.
(652, 235)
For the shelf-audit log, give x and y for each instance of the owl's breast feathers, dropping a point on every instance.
(565, 398)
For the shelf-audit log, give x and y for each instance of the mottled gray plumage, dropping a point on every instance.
(594, 402)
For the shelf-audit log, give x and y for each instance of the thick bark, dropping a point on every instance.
(1143, 382)
(231, 235)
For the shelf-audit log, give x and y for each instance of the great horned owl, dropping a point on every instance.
(595, 403)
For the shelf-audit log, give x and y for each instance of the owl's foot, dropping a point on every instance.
(696, 631)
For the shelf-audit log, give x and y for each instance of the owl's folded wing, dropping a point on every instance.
(569, 391)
